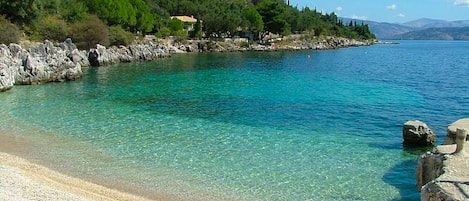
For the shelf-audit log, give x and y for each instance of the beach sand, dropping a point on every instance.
(23, 180)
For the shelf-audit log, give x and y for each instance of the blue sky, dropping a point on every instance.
(391, 10)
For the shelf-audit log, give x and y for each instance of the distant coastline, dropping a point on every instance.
(37, 63)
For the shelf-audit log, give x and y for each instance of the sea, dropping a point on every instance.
(287, 125)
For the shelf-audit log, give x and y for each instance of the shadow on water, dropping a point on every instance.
(402, 175)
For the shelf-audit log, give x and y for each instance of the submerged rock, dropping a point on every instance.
(417, 133)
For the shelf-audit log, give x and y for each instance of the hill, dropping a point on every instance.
(447, 33)
(417, 29)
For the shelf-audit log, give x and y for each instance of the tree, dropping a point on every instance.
(73, 10)
(145, 20)
(18, 11)
(253, 20)
(272, 15)
(197, 32)
(175, 25)
(113, 12)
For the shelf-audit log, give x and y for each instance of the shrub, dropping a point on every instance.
(9, 33)
(52, 28)
(89, 32)
(164, 32)
(118, 36)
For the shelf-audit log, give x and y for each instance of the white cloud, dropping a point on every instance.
(461, 2)
(402, 15)
(339, 8)
(392, 7)
(359, 17)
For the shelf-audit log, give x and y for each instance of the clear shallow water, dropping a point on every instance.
(309, 125)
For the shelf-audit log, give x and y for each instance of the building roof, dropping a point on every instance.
(185, 19)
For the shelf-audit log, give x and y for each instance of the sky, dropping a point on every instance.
(393, 11)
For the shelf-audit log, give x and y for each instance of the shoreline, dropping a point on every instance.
(23, 180)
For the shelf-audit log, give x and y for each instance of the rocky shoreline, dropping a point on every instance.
(442, 173)
(45, 62)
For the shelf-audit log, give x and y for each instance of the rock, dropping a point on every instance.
(146, 51)
(442, 174)
(429, 167)
(7, 80)
(452, 130)
(417, 133)
(40, 63)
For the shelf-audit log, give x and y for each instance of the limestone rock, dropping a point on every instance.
(452, 130)
(7, 80)
(417, 133)
(40, 63)
(146, 51)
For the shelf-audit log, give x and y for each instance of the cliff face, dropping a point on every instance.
(39, 63)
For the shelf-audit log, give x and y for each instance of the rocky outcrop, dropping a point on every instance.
(417, 133)
(287, 43)
(146, 51)
(442, 173)
(452, 130)
(37, 64)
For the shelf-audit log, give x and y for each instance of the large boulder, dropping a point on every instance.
(417, 133)
(452, 130)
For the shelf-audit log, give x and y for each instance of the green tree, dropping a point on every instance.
(253, 20)
(113, 12)
(18, 11)
(145, 21)
(73, 10)
(272, 15)
(197, 32)
(175, 25)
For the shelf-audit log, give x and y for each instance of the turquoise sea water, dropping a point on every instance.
(307, 125)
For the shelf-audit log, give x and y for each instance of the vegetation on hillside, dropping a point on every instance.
(80, 19)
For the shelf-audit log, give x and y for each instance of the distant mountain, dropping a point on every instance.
(446, 33)
(384, 30)
(426, 23)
